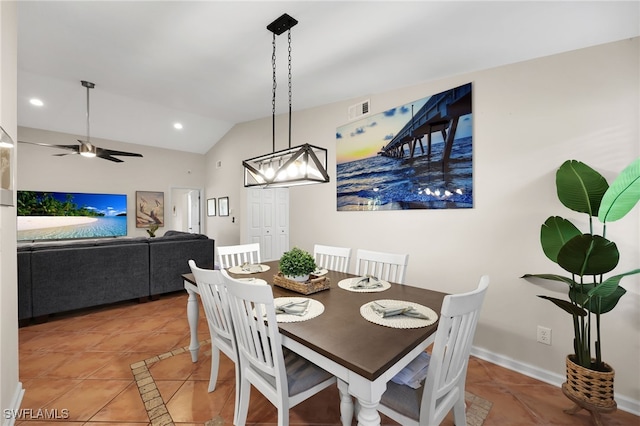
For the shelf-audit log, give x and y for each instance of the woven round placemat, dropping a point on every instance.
(348, 282)
(315, 308)
(399, 321)
(238, 269)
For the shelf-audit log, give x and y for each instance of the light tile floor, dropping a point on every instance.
(77, 367)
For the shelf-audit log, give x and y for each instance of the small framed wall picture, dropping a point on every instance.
(211, 207)
(223, 206)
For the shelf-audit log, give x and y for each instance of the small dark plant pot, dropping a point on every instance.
(591, 387)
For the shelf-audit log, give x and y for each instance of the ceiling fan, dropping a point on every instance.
(86, 148)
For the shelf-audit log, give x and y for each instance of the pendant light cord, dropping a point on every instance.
(273, 97)
(273, 92)
(289, 38)
(88, 126)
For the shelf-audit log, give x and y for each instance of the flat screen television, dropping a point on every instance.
(70, 215)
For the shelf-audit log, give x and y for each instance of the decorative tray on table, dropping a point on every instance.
(314, 284)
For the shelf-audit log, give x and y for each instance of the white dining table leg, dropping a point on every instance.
(368, 413)
(346, 403)
(193, 315)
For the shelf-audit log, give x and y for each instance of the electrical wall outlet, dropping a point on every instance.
(544, 335)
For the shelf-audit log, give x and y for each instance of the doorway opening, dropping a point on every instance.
(186, 210)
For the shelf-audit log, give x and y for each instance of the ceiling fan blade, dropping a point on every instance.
(74, 148)
(105, 156)
(122, 153)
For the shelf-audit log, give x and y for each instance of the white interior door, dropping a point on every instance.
(268, 220)
(193, 202)
(254, 222)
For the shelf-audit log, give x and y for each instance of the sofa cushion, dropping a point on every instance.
(177, 235)
(90, 242)
(64, 279)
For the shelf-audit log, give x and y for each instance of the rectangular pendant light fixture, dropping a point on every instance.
(301, 165)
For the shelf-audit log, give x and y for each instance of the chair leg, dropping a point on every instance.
(236, 406)
(215, 363)
(459, 412)
(346, 403)
(243, 406)
(283, 414)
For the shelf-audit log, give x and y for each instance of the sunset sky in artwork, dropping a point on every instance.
(365, 137)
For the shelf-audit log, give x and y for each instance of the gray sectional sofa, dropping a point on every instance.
(61, 276)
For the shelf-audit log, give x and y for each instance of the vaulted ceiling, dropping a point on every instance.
(207, 64)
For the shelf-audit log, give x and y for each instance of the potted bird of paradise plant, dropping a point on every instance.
(587, 257)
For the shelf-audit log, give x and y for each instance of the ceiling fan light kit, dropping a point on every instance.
(86, 148)
(301, 165)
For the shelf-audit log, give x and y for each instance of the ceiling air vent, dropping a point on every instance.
(358, 110)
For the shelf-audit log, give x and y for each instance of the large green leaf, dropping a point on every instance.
(566, 306)
(579, 187)
(591, 303)
(552, 277)
(608, 286)
(588, 255)
(622, 195)
(580, 294)
(554, 233)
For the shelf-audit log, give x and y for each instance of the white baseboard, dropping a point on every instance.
(624, 403)
(9, 419)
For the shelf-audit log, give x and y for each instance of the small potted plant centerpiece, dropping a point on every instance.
(297, 264)
(587, 257)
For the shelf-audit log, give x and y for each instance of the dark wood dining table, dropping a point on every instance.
(363, 356)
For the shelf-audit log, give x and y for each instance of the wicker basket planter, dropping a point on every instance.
(313, 285)
(593, 388)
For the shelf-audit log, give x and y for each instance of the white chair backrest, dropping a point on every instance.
(386, 266)
(213, 294)
(447, 371)
(229, 256)
(257, 336)
(332, 258)
(214, 300)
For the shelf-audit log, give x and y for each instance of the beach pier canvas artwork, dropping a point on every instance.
(149, 209)
(415, 156)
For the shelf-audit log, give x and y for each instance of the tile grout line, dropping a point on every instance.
(153, 402)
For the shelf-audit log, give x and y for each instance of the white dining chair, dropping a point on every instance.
(332, 258)
(216, 307)
(443, 389)
(386, 266)
(282, 376)
(229, 256)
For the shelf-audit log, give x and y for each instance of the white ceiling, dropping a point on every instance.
(207, 64)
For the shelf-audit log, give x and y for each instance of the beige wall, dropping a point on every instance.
(10, 389)
(158, 170)
(528, 119)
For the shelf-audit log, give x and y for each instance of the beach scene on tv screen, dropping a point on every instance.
(69, 215)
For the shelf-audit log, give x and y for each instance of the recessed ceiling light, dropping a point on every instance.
(36, 102)
(177, 126)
